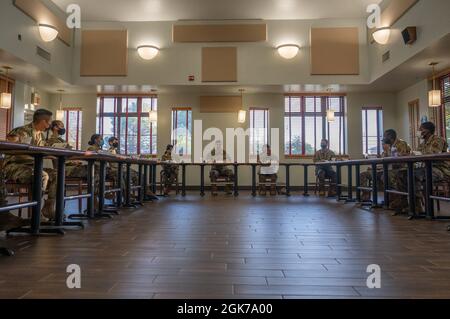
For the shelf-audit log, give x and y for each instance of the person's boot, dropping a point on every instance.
(214, 190)
(48, 211)
(321, 191)
(9, 221)
(332, 192)
(273, 190)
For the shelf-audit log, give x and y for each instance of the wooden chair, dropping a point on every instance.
(441, 189)
(268, 183)
(221, 181)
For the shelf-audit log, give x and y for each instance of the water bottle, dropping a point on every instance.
(394, 151)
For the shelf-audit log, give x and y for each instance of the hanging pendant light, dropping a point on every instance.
(6, 97)
(331, 115)
(60, 113)
(242, 116)
(434, 96)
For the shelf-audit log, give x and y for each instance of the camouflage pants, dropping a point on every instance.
(23, 174)
(366, 179)
(169, 175)
(324, 172)
(224, 172)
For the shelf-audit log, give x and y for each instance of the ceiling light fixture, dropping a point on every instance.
(434, 96)
(382, 35)
(288, 51)
(331, 115)
(48, 33)
(6, 97)
(60, 113)
(148, 52)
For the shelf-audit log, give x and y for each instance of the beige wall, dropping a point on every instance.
(275, 102)
(418, 91)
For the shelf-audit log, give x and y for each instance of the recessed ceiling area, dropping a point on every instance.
(172, 10)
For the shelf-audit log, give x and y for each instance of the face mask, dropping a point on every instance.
(323, 146)
(62, 131)
(115, 145)
(387, 141)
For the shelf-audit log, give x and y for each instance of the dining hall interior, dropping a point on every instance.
(333, 118)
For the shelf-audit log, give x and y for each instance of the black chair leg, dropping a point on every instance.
(6, 252)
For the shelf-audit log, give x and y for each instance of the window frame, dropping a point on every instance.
(252, 112)
(118, 115)
(341, 116)
(174, 126)
(380, 117)
(445, 100)
(66, 122)
(9, 113)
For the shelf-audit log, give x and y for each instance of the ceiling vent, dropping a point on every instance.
(43, 54)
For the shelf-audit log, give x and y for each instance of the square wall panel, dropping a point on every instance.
(334, 51)
(219, 64)
(104, 53)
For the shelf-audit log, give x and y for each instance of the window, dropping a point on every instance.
(128, 119)
(73, 119)
(6, 86)
(306, 124)
(259, 129)
(445, 89)
(414, 123)
(372, 131)
(182, 131)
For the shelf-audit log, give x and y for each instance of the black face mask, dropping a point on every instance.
(62, 131)
(115, 145)
(387, 141)
(323, 146)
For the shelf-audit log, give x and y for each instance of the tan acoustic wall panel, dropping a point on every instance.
(334, 51)
(36, 10)
(104, 53)
(220, 104)
(220, 33)
(219, 64)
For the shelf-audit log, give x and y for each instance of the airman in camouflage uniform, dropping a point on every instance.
(74, 169)
(393, 147)
(218, 171)
(170, 171)
(325, 171)
(431, 144)
(19, 168)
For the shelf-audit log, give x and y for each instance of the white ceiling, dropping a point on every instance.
(172, 10)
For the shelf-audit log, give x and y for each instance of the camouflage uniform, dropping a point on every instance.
(399, 148)
(170, 171)
(441, 170)
(325, 171)
(19, 168)
(218, 171)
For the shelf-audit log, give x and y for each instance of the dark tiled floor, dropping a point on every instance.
(236, 248)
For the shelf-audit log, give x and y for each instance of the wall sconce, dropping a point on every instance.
(6, 97)
(288, 51)
(147, 52)
(330, 116)
(48, 33)
(434, 96)
(381, 35)
(153, 116)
